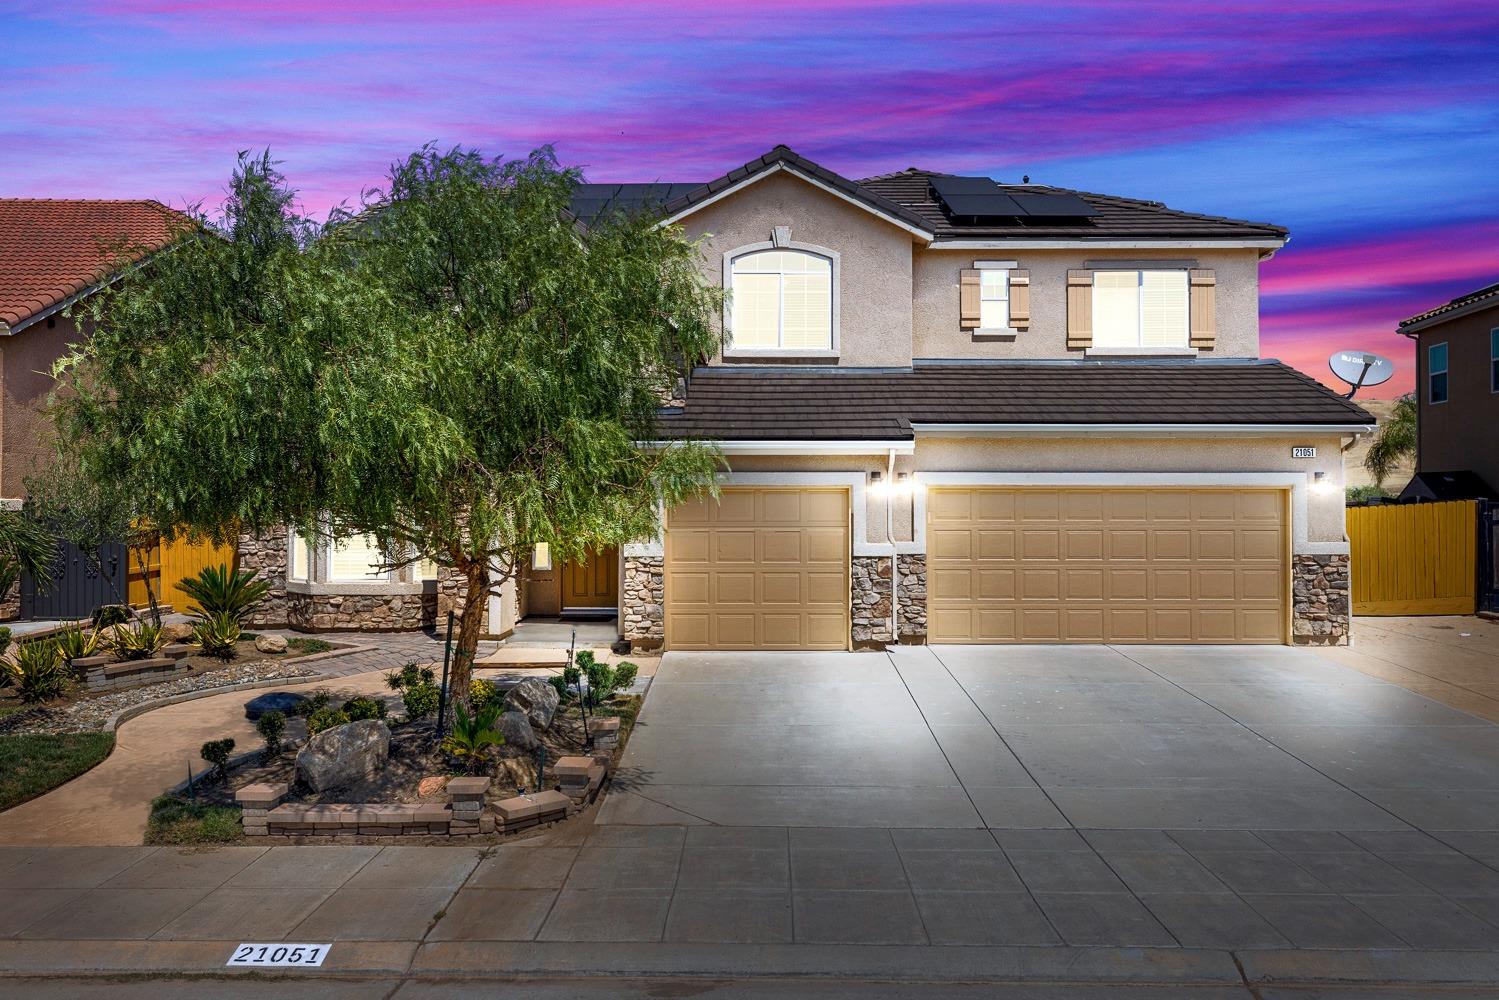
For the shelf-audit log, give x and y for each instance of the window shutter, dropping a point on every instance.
(1079, 308)
(1020, 300)
(968, 299)
(1204, 296)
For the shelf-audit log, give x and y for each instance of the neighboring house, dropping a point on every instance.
(960, 411)
(1457, 393)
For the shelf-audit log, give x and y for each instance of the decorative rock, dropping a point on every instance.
(344, 754)
(268, 643)
(285, 702)
(431, 787)
(536, 698)
(177, 632)
(520, 770)
(516, 729)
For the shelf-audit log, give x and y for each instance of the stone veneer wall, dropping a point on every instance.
(1321, 600)
(642, 602)
(10, 605)
(869, 585)
(266, 554)
(912, 591)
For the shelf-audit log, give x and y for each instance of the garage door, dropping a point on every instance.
(1106, 565)
(759, 568)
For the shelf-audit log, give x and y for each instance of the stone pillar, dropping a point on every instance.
(1321, 600)
(642, 603)
(869, 613)
(266, 554)
(911, 609)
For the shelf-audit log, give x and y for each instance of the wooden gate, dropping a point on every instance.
(169, 563)
(1414, 559)
(80, 583)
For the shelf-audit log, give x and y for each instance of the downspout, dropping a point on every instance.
(890, 537)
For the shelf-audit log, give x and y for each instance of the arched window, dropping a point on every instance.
(781, 300)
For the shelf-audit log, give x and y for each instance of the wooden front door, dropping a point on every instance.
(593, 582)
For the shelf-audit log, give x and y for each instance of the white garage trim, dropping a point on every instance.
(1296, 482)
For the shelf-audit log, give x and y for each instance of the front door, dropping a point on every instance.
(593, 582)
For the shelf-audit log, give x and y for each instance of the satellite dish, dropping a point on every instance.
(1360, 368)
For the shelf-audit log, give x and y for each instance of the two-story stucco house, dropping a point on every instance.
(957, 411)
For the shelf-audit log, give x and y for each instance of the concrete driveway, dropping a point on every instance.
(1051, 737)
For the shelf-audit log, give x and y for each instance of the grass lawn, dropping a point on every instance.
(36, 763)
(177, 820)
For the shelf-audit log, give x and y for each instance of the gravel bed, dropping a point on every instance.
(93, 714)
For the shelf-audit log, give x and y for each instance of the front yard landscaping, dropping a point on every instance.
(34, 763)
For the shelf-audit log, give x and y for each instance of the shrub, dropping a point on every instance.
(325, 718)
(218, 590)
(38, 671)
(482, 694)
(316, 701)
(271, 726)
(604, 680)
(108, 615)
(219, 635)
(1363, 494)
(472, 736)
(4, 638)
(309, 646)
(409, 676)
(364, 708)
(217, 752)
(560, 683)
(420, 700)
(75, 643)
(135, 642)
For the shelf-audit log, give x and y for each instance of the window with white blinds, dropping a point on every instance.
(1143, 309)
(301, 558)
(356, 558)
(781, 300)
(994, 299)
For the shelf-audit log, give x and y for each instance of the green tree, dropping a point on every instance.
(459, 369)
(1394, 442)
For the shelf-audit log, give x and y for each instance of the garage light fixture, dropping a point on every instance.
(1321, 485)
(877, 484)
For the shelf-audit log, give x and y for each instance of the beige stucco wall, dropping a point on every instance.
(936, 333)
(26, 435)
(875, 260)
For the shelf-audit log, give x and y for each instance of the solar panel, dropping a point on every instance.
(981, 197)
(1054, 205)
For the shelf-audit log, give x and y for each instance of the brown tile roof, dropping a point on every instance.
(52, 249)
(1478, 299)
(755, 404)
(1116, 217)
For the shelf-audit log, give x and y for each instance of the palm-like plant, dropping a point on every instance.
(75, 643)
(219, 590)
(136, 642)
(1395, 442)
(473, 735)
(38, 671)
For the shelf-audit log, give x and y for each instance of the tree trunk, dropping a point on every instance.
(470, 621)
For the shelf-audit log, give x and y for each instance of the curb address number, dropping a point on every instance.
(280, 955)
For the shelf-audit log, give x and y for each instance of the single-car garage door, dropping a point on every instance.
(759, 568)
(1106, 565)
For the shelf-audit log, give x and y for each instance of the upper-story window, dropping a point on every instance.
(781, 300)
(994, 298)
(1143, 309)
(1494, 360)
(1436, 373)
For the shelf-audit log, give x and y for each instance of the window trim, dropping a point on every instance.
(730, 256)
(1006, 330)
(1494, 360)
(1431, 374)
(317, 576)
(1139, 348)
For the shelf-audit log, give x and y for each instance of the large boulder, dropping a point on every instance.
(516, 728)
(270, 643)
(176, 632)
(536, 698)
(344, 754)
(285, 702)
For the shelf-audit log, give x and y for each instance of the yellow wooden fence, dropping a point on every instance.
(168, 564)
(1414, 559)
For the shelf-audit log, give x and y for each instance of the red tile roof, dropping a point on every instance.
(52, 249)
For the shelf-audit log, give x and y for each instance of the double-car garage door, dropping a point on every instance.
(1106, 565)
(767, 567)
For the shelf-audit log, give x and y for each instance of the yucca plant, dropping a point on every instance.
(218, 634)
(75, 643)
(219, 590)
(38, 671)
(473, 735)
(136, 642)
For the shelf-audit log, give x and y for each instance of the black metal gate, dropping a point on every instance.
(1488, 556)
(77, 587)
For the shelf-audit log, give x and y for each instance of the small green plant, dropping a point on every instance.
(307, 646)
(472, 736)
(560, 683)
(37, 671)
(219, 635)
(325, 718)
(604, 680)
(135, 642)
(4, 638)
(420, 700)
(1363, 494)
(364, 708)
(271, 726)
(110, 615)
(482, 694)
(75, 643)
(409, 676)
(219, 590)
(217, 752)
(316, 701)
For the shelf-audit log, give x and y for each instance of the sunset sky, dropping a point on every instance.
(1370, 129)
